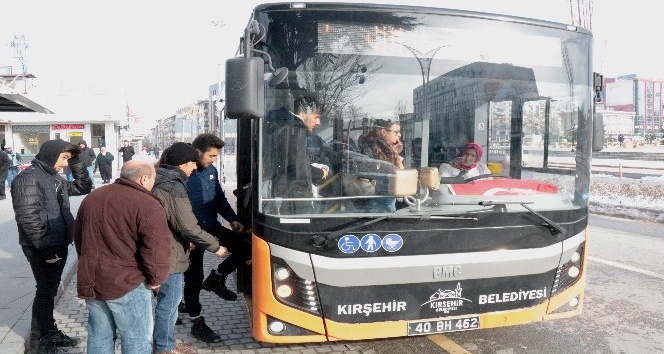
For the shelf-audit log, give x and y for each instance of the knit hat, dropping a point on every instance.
(179, 153)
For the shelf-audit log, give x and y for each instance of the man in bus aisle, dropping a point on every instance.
(87, 157)
(208, 201)
(36, 192)
(122, 260)
(127, 151)
(292, 171)
(16, 164)
(5, 165)
(174, 168)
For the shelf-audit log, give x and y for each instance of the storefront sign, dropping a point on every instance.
(67, 126)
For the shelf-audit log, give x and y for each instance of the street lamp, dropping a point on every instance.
(424, 59)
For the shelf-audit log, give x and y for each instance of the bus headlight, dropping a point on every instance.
(293, 290)
(568, 273)
(284, 291)
(281, 274)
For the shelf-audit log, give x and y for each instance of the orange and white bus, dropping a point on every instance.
(375, 250)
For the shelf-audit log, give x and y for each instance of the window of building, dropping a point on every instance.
(28, 138)
(98, 135)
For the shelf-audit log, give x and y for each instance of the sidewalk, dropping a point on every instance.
(18, 284)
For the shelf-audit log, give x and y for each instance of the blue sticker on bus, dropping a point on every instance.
(370, 243)
(392, 242)
(349, 244)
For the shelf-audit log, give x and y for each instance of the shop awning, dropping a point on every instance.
(14, 102)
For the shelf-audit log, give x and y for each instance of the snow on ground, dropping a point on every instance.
(627, 197)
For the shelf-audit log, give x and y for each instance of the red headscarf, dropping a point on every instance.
(458, 161)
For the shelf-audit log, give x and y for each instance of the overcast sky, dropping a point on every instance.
(159, 56)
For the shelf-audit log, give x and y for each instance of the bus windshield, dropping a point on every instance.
(493, 106)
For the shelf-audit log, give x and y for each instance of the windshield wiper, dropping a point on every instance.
(320, 240)
(553, 226)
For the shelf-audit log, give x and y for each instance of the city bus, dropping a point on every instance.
(503, 248)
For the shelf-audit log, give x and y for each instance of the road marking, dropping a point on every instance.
(447, 344)
(623, 266)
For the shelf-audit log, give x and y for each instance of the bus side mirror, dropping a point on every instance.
(403, 183)
(598, 132)
(245, 91)
(429, 178)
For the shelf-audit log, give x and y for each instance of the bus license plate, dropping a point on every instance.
(440, 326)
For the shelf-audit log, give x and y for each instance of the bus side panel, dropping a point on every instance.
(265, 303)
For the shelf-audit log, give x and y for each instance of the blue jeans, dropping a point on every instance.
(131, 315)
(166, 312)
(11, 174)
(91, 174)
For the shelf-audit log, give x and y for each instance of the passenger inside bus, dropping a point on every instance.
(382, 142)
(467, 164)
(292, 171)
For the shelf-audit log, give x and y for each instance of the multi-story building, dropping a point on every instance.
(641, 97)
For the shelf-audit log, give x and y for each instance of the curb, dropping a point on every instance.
(627, 212)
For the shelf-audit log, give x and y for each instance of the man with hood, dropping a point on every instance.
(174, 168)
(87, 157)
(40, 197)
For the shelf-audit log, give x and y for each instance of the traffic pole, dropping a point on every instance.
(620, 171)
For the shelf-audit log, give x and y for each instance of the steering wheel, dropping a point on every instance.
(486, 175)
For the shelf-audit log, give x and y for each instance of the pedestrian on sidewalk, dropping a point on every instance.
(174, 168)
(87, 156)
(104, 163)
(126, 151)
(208, 201)
(122, 239)
(16, 164)
(40, 198)
(5, 165)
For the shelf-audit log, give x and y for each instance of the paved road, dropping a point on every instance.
(228, 319)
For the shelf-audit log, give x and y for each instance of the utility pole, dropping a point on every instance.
(20, 47)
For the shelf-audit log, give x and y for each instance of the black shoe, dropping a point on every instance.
(58, 338)
(178, 321)
(35, 348)
(202, 332)
(216, 283)
(43, 348)
(182, 308)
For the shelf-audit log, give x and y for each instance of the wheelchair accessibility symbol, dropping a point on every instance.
(348, 244)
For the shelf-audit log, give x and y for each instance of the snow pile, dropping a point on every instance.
(625, 197)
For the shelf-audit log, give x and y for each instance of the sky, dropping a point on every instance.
(160, 56)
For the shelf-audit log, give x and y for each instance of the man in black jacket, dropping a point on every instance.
(127, 151)
(40, 197)
(87, 156)
(5, 165)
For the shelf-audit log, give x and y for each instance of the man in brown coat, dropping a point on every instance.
(123, 243)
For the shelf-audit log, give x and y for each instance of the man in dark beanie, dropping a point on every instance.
(173, 169)
(40, 197)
